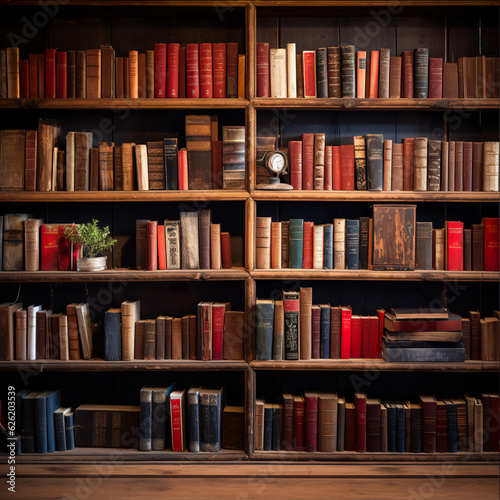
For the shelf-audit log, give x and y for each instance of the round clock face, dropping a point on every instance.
(276, 162)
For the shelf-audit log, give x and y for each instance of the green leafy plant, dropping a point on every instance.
(94, 240)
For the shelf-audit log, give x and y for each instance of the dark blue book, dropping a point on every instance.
(60, 428)
(53, 403)
(70, 430)
(264, 323)
(325, 331)
(268, 427)
(296, 243)
(276, 431)
(171, 169)
(146, 403)
(41, 422)
(400, 428)
(375, 161)
(352, 244)
(160, 417)
(391, 428)
(212, 402)
(19, 409)
(328, 247)
(28, 427)
(112, 335)
(451, 418)
(193, 415)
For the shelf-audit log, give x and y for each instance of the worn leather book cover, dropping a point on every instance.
(334, 80)
(397, 181)
(32, 244)
(395, 78)
(375, 161)
(408, 164)
(348, 71)
(450, 80)
(199, 150)
(192, 70)
(220, 70)
(319, 162)
(49, 133)
(50, 72)
(234, 325)
(7, 315)
(421, 76)
(423, 243)
(263, 79)
(387, 181)
(263, 243)
(33, 76)
(347, 167)
(459, 166)
(61, 75)
(83, 145)
(190, 240)
(305, 326)
(384, 73)
(309, 72)
(435, 77)
(156, 167)
(107, 71)
(491, 243)
(360, 162)
(420, 157)
(81, 74)
(233, 157)
(308, 161)
(438, 249)
(232, 69)
(12, 159)
(321, 72)
(106, 166)
(490, 166)
(227, 261)
(141, 68)
(141, 162)
(93, 73)
(434, 166)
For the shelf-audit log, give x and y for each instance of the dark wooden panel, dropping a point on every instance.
(413, 32)
(267, 31)
(463, 37)
(464, 125)
(79, 33)
(362, 123)
(489, 35)
(369, 33)
(309, 33)
(415, 124)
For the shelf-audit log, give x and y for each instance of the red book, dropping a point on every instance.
(345, 336)
(374, 334)
(206, 79)
(162, 258)
(218, 311)
(295, 151)
(41, 76)
(177, 419)
(62, 74)
(347, 167)
(263, 81)
(182, 168)
(454, 246)
(192, 70)
(182, 72)
(381, 316)
(307, 161)
(328, 168)
(311, 421)
(160, 70)
(491, 244)
(49, 247)
(336, 170)
(435, 78)
(374, 64)
(173, 70)
(298, 423)
(64, 251)
(495, 421)
(227, 262)
(50, 73)
(307, 262)
(316, 332)
(356, 335)
(217, 164)
(407, 75)
(152, 235)
(232, 69)
(309, 69)
(360, 407)
(24, 78)
(365, 337)
(33, 63)
(219, 69)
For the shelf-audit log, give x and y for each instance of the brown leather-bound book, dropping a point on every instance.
(83, 144)
(477, 247)
(150, 73)
(493, 339)
(397, 182)
(41, 76)
(459, 166)
(335, 331)
(490, 166)
(285, 244)
(264, 145)
(94, 169)
(408, 159)
(319, 161)
(119, 77)
(327, 422)
(475, 335)
(126, 79)
(300, 75)
(360, 162)
(81, 74)
(275, 245)
(13, 80)
(259, 424)
(429, 409)
(3, 73)
(140, 333)
(466, 336)
(407, 79)
(204, 236)
(60, 174)
(233, 157)
(33, 76)
(234, 330)
(333, 65)
(215, 247)
(204, 337)
(141, 243)
(199, 150)
(12, 159)
(133, 74)
(423, 245)
(141, 68)
(420, 151)
(160, 337)
(150, 339)
(434, 166)
(387, 165)
(185, 336)
(435, 77)
(49, 132)
(305, 327)
(41, 334)
(71, 73)
(450, 80)
(117, 169)
(395, 78)
(278, 331)
(232, 69)
(287, 421)
(384, 73)
(106, 166)
(108, 71)
(156, 168)
(227, 261)
(168, 337)
(444, 165)
(477, 166)
(32, 244)
(128, 166)
(311, 421)
(93, 73)
(152, 245)
(7, 328)
(485, 340)
(73, 336)
(438, 249)
(488, 69)
(467, 249)
(52, 335)
(193, 325)
(241, 76)
(13, 242)
(263, 243)
(373, 427)
(467, 157)
(21, 334)
(451, 165)
(190, 256)
(30, 160)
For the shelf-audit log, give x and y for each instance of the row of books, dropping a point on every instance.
(170, 70)
(327, 422)
(359, 244)
(374, 164)
(193, 242)
(215, 332)
(35, 161)
(42, 424)
(345, 72)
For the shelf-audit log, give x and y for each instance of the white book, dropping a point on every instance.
(141, 157)
(70, 161)
(291, 66)
(278, 72)
(32, 310)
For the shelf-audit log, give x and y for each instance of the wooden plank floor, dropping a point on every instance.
(261, 481)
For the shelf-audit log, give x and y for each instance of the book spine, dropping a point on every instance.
(434, 166)
(420, 163)
(361, 74)
(291, 65)
(352, 244)
(421, 73)
(160, 70)
(263, 80)
(321, 72)
(375, 161)
(384, 73)
(172, 77)
(232, 69)
(360, 162)
(50, 73)
(192, 70)
(264, 330)
(334, 80)
(395, 78)
(206, 71)
(311, 423)
(347, 72)
(219, 69)
(435, 78)
(295, 152)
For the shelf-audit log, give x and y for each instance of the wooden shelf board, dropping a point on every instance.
(376, 365)
(234, 274)
(373, 3)
(115, 103)
(373, 104)
(364, 274)
(99, 365)
(376, 196)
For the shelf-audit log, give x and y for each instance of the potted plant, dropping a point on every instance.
(94, 241)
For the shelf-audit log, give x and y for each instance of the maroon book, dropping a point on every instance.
(373, 425)
(450, 80)
(295, 152)
(459, 166)
(160, 70)
(428, 404)
(308, 161)
(328, 186)
(263, 81)
(33, 72)
(365, 337)
(192, 70)
(232, 70)
(50, 73)
(477, 166)
(407, 76)
(468, 150)
(336, 170)
(335, 332)
(408, 164)
(487, 420)
(495, 421)
(62, 74)
(441, 427)
(360, 408)
(182, 72)
(206, 71)
(219, 70)
(298, 423)
(311, 421)
(71, 64)
(24, 78)
(152, 239)
(316, 332)
(435, 77)
(307, 261)
(227, 262)
(173, 50)
(347, 167)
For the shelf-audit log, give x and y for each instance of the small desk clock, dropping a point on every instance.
(275, 162)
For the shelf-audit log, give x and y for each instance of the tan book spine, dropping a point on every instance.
(93, 73)
(444, 165)
(277, 73)
(32, 244)
(478, 426)
(133, 73)
(275, 245)
(490, 166)
(12, 159)
(305, 326)
(387, 165)
(73, 337)
(438, 249)
(150, 339)
(140, 332)
(318, 245)
(263, 242)
(215, 247)
(319, 162)
(13, 80)
(150, 73)
(420, 164)
(63, 338)
(141, 159)
(339, 243)
(142, 76)
(106, 166)
(234, 325)
(130, 311)
(241, 76)
(493, 339)
(327, 422)
(300, 76)
(397, 181)
(291, 66)
(176, 338)
(485, 344)
(259, 425)
(128, 166)
(21, 334)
